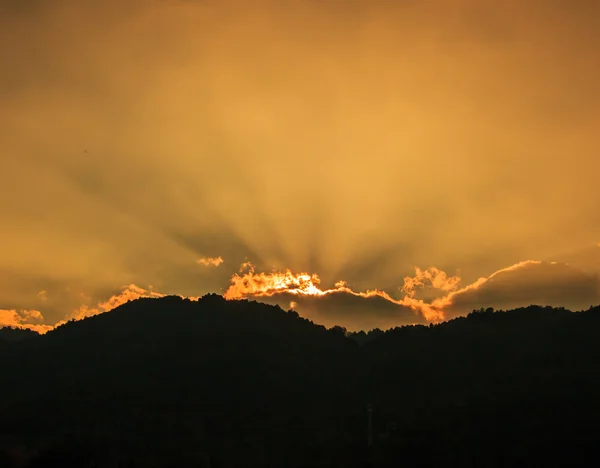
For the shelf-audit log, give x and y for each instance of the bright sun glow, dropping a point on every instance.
(248, 284)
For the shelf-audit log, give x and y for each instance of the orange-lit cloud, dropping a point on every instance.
(521, 284)
(210, 261)
(128, 293)
(33, 319)
(249, 284)
(436, 277)
(25, 319)
(524, 283)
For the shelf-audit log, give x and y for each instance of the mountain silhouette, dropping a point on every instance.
(175, 382)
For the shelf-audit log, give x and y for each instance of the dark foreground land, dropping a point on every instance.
(172, 382)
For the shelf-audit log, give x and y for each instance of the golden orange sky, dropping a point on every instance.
(164, 143)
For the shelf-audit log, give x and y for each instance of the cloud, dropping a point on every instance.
(351, 310)
(249, 283)
(210, 261)
(437, 278)
(43, 295)
(524, 283)
(529, 282)
(26, 319)
(345, 219)
(34, 320)
(128, 293)
(333, 306)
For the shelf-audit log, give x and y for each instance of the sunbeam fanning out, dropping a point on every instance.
(167, 142)
(299, 232)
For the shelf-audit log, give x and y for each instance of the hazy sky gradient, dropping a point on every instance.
(352, 139)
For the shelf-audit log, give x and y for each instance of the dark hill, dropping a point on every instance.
(173, 382)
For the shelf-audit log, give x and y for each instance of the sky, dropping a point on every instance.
(367, 163)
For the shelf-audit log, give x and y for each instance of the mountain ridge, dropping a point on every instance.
(174, 382)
